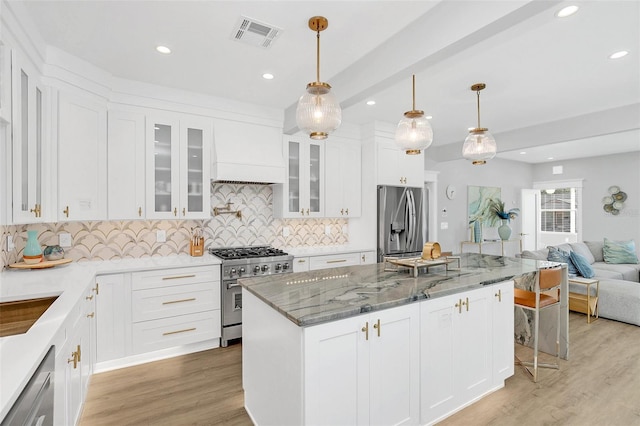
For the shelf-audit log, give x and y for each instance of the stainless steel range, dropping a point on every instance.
(243, 262)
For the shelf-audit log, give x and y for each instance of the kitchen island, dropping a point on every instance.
(361, 345)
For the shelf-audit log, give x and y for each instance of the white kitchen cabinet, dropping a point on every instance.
(5, 83)
(368, 257)
(466, 343)
(126, 165)
(502, 332)
(113, 316)
(343, 181)
(30, 148)
(177, 167)
(301, 264)
(333, 260)
(302, 194)
(82, 156)
(397, 168)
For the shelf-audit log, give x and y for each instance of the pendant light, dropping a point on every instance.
(480, 145)
(318, 112)
(414, 133)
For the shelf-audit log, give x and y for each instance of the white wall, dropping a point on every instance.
(599, 173)
(510, 176)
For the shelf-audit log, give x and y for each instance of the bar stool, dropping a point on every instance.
(546, 294)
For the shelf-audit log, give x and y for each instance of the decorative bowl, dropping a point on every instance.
(53, 252)
(32, 260)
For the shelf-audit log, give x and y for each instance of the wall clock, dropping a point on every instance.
(451, 192)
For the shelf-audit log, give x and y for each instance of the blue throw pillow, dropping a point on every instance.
(557, 255)
(619, 251)
(582, 265)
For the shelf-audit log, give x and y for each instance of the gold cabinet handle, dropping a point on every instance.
(36, 210)
(459, 306)
(302, 212)
(347, 211)
(79, 354)
(66, 211)
(307, 212)
(74, 359)
(341, 212)
(337, 261)
(178, 331)
(466, 302)
(365, 330)
(91, 315)
(139, 211)
(499, 295)
(184, 211)
(97, 288)
(377, 326)
(301, 260)
(179, 276)
(363, 258)
(191, 299)
(175, 211)
(89, 297)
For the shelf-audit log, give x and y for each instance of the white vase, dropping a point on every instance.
(504, 230)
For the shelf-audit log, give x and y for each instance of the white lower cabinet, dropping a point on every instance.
(368, 257)
(464, 339)
(333, 261)
(113, 317)
(364, 369)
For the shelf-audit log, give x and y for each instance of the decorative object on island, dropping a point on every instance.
(318, 112)
(431, 250)
(498, 209)
(32, 251)
(479, 146)
(414, 132)
(53, 252)
(614, 202)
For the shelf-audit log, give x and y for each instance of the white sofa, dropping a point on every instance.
(619, 297)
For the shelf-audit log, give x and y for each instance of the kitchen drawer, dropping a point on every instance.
(173, 277)
(301, 264)
(163, 302)
(334, 261)
(180, 330)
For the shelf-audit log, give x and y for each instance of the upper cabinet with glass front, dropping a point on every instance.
(178, 167)
(29, 150)
(302, 194)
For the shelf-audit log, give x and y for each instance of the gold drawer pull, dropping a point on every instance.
(337, 261)
(301, 260)
(365, 330)
(178, 331)
(459, 306)
(178, 277)
(179, 301)
(499, 295)
(377, 326)
(91, 315)
(89, 297)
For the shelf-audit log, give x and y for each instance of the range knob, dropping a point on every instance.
(285, 266)
(278, 267)
(232, 271)
(241, 271)
(265, 268)
(256, 269)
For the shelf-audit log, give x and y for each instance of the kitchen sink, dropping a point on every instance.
(17, 317)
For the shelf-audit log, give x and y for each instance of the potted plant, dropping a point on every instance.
(497, 208)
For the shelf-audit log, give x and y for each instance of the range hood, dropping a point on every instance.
(247, 153)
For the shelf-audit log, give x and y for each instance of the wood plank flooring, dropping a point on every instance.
(599, 385)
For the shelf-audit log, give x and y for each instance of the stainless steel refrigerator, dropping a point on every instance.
(402, 221)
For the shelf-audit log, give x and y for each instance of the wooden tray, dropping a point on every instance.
(42, 265)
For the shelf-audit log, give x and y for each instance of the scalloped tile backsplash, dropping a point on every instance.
(102, 240)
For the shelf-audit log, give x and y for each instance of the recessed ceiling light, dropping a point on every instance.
(567, 11)
(163, 49)
(371, 102)
(429, 117)
(619, 54)
(549, 158)
(267, 76)
(523, 152)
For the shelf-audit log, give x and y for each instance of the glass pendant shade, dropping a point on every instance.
(414, 134)
(318, 113)
(479, 146)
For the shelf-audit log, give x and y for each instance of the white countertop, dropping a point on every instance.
(21, 354)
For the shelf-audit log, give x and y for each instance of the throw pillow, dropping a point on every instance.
(582, 265)
(557, 255)
(595, 247)
(619, 251)
(583, 250)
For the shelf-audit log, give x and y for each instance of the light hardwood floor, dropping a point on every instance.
(599, 385)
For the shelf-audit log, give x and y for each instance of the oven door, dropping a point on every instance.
(231, 303)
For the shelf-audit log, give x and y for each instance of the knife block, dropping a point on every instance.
(196, 248)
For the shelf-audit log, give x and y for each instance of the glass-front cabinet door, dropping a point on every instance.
(162, 168)
(196, 137)
(304, 190)
(28, 147)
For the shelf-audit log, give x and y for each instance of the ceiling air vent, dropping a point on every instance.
(255, 33)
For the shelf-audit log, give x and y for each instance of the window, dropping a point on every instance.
(558, 209)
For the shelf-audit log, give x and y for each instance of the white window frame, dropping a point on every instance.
(573, 183)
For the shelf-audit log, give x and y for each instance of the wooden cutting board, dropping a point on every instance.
(41, 265)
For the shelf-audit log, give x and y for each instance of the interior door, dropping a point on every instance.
(529, 211)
